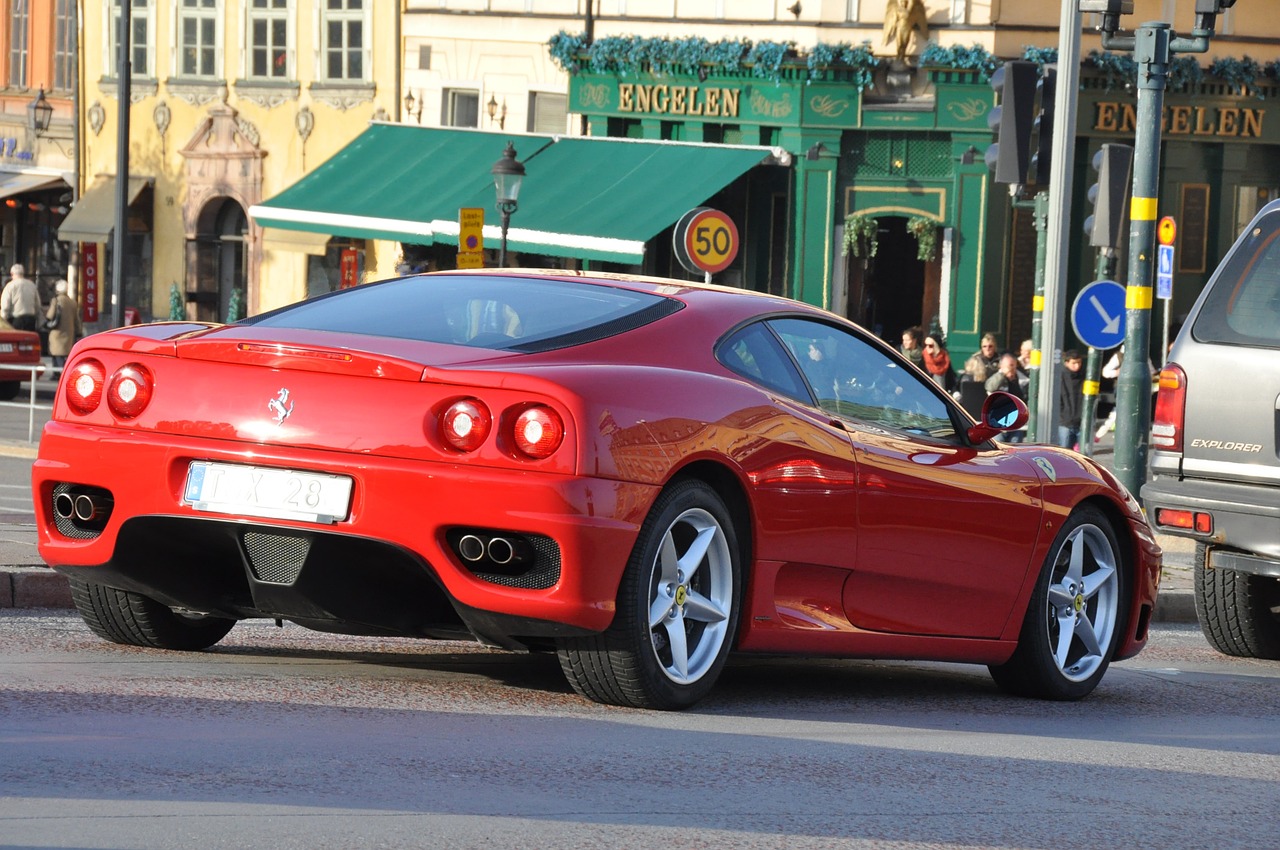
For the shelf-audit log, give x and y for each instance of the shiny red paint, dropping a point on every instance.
(19, 351)
(861, 542)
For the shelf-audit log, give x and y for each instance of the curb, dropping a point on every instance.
(40, 587)
(33, 587)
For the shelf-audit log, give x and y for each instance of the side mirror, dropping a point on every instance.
(1000, 412)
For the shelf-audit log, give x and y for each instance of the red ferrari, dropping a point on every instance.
(641, 475)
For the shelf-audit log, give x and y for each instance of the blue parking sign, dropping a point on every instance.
(1098, 314)
(1164, 271)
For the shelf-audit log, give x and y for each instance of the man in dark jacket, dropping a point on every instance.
(1070, 399)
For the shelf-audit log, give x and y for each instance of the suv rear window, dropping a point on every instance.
(1243, 307)
(482, 311)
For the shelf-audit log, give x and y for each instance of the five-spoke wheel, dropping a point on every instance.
(678, 608)
(1072, 623)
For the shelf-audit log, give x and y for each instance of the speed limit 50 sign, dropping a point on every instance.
(705, 240)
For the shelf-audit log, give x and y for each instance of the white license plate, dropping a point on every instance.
(6, 348)
(266, 492)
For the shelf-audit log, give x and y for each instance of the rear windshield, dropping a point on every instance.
(504, 313)
(1243, 307)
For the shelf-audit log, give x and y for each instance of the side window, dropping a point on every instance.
(754, 353)
(854, 379)
(1243, 308)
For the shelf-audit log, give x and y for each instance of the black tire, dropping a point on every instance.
(1237, 611)
(1074, 620)
(136, 620)
(695, 594)
(9, 390)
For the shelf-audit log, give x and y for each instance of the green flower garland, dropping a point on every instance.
(861, 235)
(925, 230)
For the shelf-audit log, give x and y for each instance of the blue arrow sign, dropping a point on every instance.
(1098, 314)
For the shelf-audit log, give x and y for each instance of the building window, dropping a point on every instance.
(140, 38)
(345, 54)
(1250, 199)
(198, 38)
(64, 45)
(853, 11)
(959, 11)
(19, 24)
(268, 27)
(461, 108)
(548, 112)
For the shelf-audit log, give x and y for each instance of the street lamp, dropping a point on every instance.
(39, 113)
(507, 177)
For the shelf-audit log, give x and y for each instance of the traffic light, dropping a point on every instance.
(1207, 13)
(1043, 130)
(1111, 10)
(1011, 121)
(1109, 224)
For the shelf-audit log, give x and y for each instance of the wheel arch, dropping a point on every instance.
(730, 488)
(1129, 572)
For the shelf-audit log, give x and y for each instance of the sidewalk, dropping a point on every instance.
(26, 583)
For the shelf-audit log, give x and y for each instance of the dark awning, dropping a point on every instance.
(94, 216)
(591, 198)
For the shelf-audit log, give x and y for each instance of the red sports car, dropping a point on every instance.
(641, 475)
(19, 351)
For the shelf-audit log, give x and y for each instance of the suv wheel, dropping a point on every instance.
(1237, 611)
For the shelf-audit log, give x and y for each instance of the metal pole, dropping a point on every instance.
(1092, 371)
(1133, 386)
(1059, 220)
(124, 93)
(1041, 217)
(506, 222)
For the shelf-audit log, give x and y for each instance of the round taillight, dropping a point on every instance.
(129, 392)
(465, 424)
(539, 431)
(85, 381)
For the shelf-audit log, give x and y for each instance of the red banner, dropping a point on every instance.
(90, 281)
(349, 275)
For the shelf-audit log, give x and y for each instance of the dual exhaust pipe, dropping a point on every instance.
(497, 549)
(83, 507)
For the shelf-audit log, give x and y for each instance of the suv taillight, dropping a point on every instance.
(1171, 409)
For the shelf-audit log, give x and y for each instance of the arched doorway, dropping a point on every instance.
(887, 291)
(220, 261)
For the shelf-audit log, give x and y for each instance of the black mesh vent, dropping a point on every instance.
(275, 558)
(546, 567)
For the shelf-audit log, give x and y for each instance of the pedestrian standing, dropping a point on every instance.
(937, 362)
(912, 338)
(20, 300)
(1070, 399)
(63, 323)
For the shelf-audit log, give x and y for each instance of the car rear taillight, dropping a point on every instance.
(85, 382)
(1171, 408)
(130, 390)
(30, 348)
(538, 432)
(465, 424)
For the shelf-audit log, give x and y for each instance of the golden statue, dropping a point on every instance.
(900, 18)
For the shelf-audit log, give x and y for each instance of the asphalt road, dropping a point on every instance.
(284, 738)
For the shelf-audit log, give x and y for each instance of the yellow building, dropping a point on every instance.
(231, 101)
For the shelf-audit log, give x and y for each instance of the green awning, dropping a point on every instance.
(590, 198)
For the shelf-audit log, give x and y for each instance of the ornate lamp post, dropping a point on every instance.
(508, 174)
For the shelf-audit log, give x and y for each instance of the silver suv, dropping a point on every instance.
(1215, 444)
